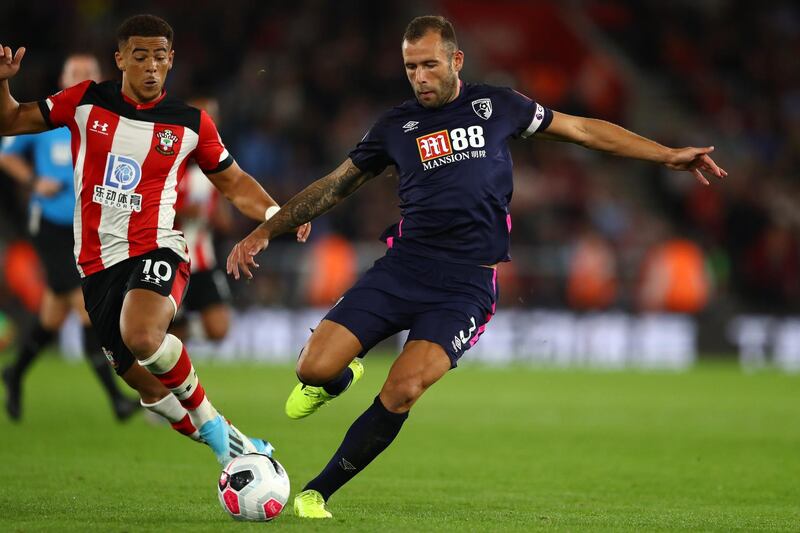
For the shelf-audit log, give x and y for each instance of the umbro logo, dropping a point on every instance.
(346, 465)
(100, 127)
(461, 340)
(411, 125)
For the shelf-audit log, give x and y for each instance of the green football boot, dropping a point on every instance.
(310, 504)
(306, 399)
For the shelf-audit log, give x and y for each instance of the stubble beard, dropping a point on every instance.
(447, 92)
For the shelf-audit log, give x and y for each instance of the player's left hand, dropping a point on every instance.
(303, 232)
(697, 161)
(243, 254)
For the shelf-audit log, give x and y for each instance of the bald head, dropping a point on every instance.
(78, 68)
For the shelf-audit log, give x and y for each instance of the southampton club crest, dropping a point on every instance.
(482, 107)
(110, 356)
(166, 142)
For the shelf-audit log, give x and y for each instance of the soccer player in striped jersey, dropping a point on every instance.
(438, 280)
(131, 143)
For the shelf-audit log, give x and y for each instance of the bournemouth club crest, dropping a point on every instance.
(166, 142)
(482, 107)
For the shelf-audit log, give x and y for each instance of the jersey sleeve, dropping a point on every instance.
(59, 109)
(20, 145)
(527, 116)
(211, 155)
(370, 153)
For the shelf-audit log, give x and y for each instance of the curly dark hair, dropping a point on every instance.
(143, 26)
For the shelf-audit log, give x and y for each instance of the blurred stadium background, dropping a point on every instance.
(616, 263)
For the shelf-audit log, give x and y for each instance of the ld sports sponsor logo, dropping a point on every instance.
(449, 146)
(120, 178)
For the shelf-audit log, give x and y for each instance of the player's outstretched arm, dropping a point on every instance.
(311, 202)
(607, 137)
(248, 196)
(16, 118)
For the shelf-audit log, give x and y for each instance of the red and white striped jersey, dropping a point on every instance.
(129, 159)
(196, 190)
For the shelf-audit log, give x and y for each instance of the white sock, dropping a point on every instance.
(172, 366)
(170, 408)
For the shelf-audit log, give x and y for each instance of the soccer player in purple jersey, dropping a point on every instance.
(438, 278)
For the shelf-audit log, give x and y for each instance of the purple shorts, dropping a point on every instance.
(445, 303)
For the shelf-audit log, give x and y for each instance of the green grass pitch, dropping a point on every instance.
(485, 450)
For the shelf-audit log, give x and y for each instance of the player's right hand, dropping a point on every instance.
(9, 63)
(242, 257)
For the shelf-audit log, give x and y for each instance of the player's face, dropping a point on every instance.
(78, 69)
(432, 68)
(144, 62)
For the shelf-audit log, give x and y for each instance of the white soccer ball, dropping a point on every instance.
(253, 487)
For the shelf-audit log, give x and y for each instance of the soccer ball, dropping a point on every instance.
(253, 487)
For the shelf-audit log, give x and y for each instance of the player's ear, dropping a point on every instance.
(458, 60)
(120, 60)
(171, 58)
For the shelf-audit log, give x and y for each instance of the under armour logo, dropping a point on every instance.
(346, 465)
(98, 127)
(151, 279)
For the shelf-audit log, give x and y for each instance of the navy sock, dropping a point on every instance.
(338, 385)
(369, 435)
(37, 339)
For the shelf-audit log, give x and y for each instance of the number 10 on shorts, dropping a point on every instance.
(156, 272)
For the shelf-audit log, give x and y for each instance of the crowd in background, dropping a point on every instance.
(734, 67)
(300, 82)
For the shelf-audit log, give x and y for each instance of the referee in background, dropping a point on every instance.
(43, 162)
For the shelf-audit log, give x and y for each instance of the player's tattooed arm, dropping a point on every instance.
(314, 200)
(317, 198)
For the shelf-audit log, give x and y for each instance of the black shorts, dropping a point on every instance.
(161, 271)
(447, 304)
(208, 287)
(54, 243)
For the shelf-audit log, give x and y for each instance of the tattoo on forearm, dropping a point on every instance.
(318, 198)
